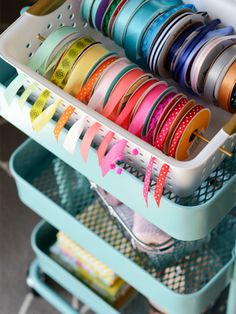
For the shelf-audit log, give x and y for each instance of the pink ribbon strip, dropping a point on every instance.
(115, 154)
(147, 179)
(104, 146)
(88, 139)
(160, 183)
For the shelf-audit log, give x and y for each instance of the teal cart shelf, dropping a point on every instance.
(191, 219)
(42, 238)
(184, 287)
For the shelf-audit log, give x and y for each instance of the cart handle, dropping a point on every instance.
(44, 7)
(230, 126)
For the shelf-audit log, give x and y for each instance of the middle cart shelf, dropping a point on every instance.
(192, 218)
(192, 282)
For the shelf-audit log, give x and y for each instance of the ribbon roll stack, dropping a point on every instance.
(172, 39)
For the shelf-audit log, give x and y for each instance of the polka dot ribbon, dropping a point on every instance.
(147, 179)
(161, 183)
(85, 93)
(63, 120)
(182, 127)
(160, 141)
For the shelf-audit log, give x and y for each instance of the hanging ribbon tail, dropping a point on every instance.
(104, 146)
(26, 94)
(161, 183)
(65, 117)
(73, 135)
(45, 117)
(147, 179)
(115, 154)
(39, 105)
(14, 87)
(88, 139)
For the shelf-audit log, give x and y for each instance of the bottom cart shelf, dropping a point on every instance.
(188, 286)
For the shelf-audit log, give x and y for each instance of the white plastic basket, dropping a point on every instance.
(18, 43)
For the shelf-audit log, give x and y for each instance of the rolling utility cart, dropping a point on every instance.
(201, 261)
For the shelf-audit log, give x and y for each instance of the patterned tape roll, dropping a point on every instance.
(219, 67)
(84, 64)
(68, 60)
(226, 91)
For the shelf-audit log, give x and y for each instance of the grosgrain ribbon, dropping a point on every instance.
(14, 87)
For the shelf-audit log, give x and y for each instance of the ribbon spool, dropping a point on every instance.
(194, 122)
(226, 95)
(122, 89)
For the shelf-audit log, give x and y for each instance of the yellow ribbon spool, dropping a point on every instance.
(83, 66)
(68, 59)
